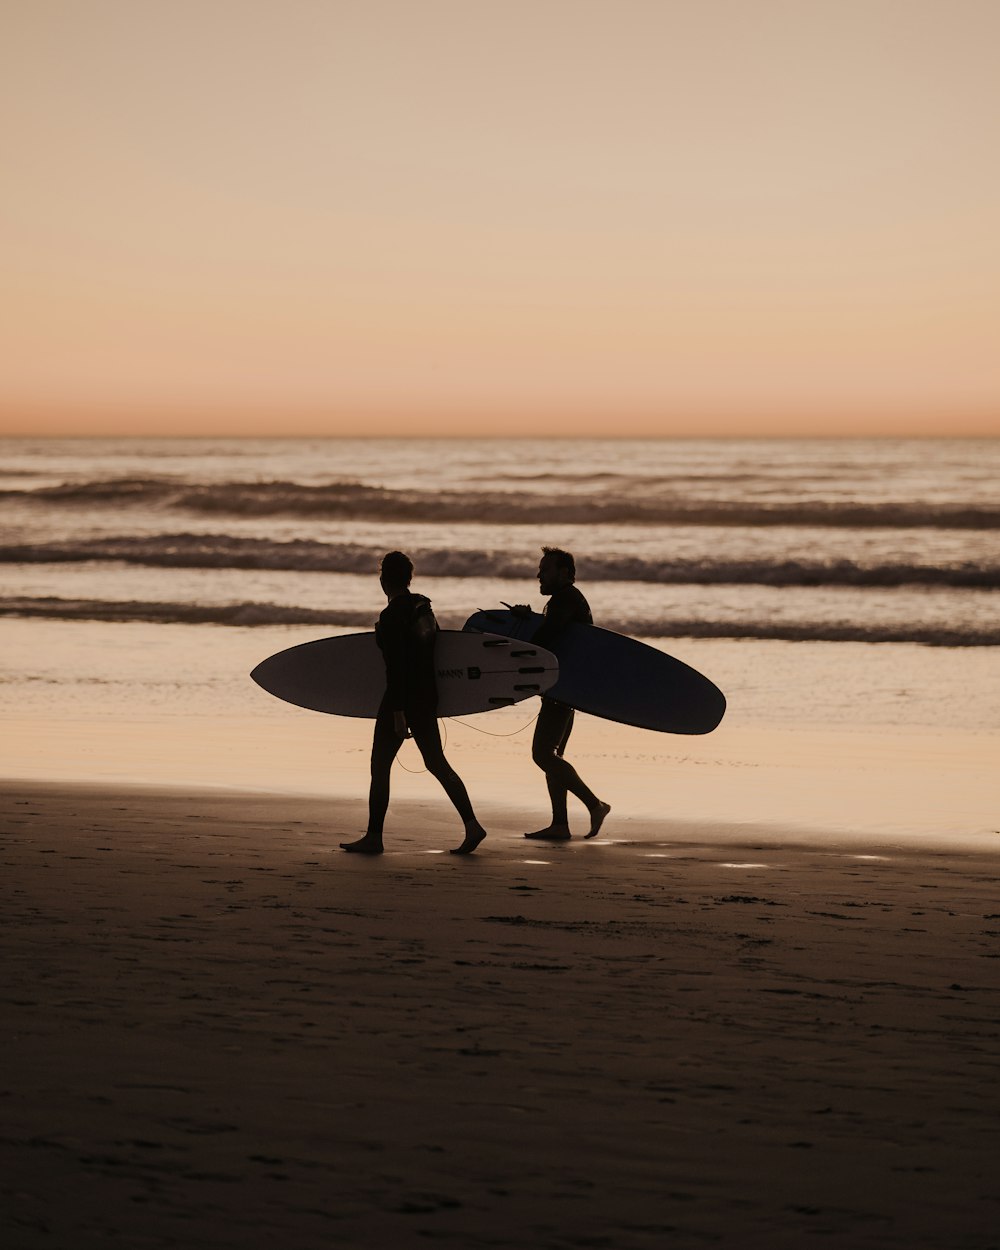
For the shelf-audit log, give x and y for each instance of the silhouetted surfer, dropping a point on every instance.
(566, 605)
(405, 633)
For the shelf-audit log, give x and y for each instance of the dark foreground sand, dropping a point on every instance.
(218, 1033)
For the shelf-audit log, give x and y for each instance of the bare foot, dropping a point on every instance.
(597, 817)
(368, 845)
(474, 834)
(554, 833)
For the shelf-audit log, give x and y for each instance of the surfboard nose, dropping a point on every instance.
(719, 711)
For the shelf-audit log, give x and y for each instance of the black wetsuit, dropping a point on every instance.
(564, 607)
(406, 633)
(555, 720)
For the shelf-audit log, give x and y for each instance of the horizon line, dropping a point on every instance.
(919, 436)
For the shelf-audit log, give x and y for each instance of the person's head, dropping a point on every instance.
(395, 572)
(556, 569)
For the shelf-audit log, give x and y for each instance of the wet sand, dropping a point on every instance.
(221, 1032)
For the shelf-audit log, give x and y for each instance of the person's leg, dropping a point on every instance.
(427, 736)
(385, 747)
(552, 731)
(558, 791)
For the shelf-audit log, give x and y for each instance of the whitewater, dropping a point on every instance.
(821, 540)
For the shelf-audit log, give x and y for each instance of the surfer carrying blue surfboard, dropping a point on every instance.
(406, 633)
(566, 605)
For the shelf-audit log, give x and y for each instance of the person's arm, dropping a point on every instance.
(394, 651)
(391, 635)
(424, 628)
(421, 634)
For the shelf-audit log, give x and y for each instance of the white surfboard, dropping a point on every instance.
(346, 676)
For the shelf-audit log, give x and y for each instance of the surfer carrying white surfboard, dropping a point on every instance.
(566, 605)
(406, 633)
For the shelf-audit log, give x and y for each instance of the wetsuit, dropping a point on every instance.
(406, 633)
(555, 720)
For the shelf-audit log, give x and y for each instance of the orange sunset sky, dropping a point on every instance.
(474, 216)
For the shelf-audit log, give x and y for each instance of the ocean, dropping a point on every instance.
(844, 595)
(837, 541)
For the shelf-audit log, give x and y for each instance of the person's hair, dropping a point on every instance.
(396, 568)
(563, 559)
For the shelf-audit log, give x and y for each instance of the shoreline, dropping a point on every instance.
(424, 826)
(909, 786)
(894, 744)
(507, 820)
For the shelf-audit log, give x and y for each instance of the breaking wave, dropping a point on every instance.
(179, 613)
(185, 550)
(256, 614)
(659, 505)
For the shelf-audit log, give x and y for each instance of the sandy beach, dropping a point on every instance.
(220, 1031)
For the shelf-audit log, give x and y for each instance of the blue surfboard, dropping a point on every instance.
(618, 678)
